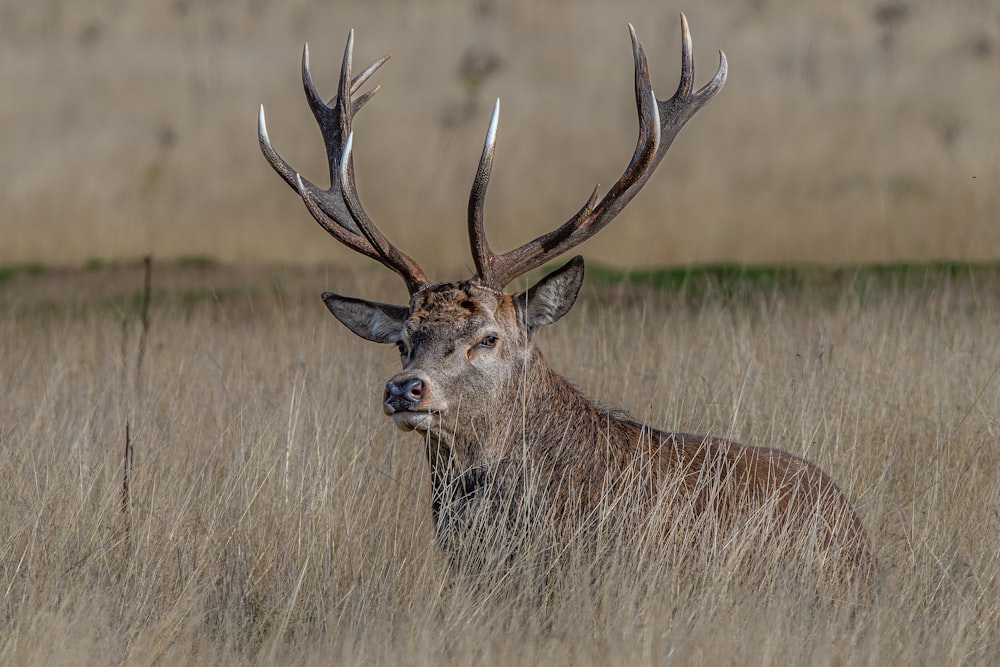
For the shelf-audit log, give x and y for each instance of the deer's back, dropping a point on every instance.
(763, 489)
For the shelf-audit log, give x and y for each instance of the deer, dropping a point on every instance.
(507, 436)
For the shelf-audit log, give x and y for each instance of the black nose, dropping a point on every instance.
(407, 391)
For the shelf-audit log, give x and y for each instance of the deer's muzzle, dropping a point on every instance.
(403, 395)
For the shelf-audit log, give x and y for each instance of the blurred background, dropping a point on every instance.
(851, 131)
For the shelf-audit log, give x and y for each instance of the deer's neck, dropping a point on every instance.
(547, 431)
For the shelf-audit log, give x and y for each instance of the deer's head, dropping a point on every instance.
(464, 345)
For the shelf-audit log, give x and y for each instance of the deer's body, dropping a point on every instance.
(526, 443)
(510, 441)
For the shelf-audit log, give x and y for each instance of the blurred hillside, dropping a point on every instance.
(848, 131)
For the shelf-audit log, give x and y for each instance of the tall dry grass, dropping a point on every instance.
(848, 131)
(276, 516)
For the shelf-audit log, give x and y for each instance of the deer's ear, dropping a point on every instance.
(377, 322)
(552, 296)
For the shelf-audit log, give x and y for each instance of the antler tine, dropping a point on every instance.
(363, 77)
(335, 225)
(330, 125)
(659, 123)
(331, 207)
(482, 254)
(684, 104)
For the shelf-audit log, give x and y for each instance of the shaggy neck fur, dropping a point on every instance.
(552, 452)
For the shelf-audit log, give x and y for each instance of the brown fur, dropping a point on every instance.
(515, 448)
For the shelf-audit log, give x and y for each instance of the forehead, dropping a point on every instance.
(451, 303)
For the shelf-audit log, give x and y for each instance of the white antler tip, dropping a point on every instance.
(349, 49)
(632, 35)
(491, 133)
(262, 125)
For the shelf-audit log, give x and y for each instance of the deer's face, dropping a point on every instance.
(459, 347)
(462, 346)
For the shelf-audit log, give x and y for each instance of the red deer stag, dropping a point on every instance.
(507, 437)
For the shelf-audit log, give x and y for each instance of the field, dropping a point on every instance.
(274, 515)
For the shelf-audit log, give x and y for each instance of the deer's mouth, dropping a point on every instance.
(413, 420)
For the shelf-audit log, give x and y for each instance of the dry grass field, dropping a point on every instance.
(849, 131)
(276, 517)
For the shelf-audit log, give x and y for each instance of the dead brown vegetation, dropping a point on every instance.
(277, 516)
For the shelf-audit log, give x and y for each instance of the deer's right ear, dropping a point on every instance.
(377, 322)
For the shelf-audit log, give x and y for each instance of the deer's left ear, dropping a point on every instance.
(551, 297)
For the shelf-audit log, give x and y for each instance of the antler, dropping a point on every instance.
(338, 209)
(659, 123)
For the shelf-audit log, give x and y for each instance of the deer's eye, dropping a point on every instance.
(401, 346)
(488, 341)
